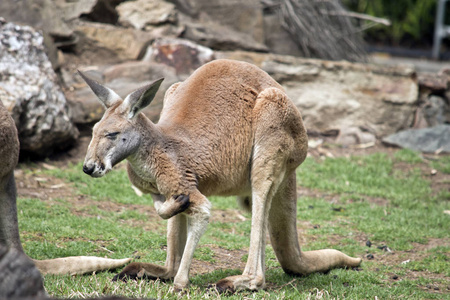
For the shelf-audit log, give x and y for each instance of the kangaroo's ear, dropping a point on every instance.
(106, 96)
(140, 98)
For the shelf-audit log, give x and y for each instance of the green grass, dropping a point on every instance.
(116, 187)
(358, 199)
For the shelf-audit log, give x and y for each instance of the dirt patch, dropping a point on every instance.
(223, 259)
(32, 183)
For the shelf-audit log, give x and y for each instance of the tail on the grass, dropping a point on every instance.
(78, 265)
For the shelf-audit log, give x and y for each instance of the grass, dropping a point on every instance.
(354, 200)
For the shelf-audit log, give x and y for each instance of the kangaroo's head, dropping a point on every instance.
(116, 136)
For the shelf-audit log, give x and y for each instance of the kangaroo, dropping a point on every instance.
(9, 229)
(229, 129)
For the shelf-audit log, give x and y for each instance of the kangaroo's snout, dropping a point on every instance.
(88, 170)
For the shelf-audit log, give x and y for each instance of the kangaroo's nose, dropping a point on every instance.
(88, 170)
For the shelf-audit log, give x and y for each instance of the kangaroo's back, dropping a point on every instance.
(213, 111)
(221, 92)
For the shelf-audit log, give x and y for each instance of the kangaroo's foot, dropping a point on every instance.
(232, 284)
(137, 270)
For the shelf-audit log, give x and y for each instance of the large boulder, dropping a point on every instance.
(29, 90)
(338, 95)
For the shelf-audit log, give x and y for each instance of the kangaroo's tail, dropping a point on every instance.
(78, 264)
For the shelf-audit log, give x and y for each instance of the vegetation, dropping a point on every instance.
(412, 20)
(385, 199)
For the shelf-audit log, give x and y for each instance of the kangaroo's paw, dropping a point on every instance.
(175, 205)
(138, 270)
(232, 284)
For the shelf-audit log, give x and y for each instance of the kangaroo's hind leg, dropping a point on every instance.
(284, 239)
(273, 145)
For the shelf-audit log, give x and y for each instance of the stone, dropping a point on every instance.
(126, 43)
(432, 140)
(239, 16)
(104, 11)
(349, 136)
(73, 9)
(336, 95)
(434, 110)
(219, 37)
(277, 39)
(29, 90)
(141, 13)
(40, 14)
(183, 55)
(432, 82)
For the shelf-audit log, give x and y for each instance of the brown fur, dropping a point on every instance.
(9, 155)
(229, 129)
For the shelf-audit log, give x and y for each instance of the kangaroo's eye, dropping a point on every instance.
(112, 135)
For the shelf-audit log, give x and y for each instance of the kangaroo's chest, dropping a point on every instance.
(145, 184)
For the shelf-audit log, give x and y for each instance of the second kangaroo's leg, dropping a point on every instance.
(283, 235)
(9, 228)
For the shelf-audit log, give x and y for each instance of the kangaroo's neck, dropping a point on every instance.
(151, 145)
(156, 161)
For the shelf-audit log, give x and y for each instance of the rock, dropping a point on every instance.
(141, 13)
(277, 39)
(29, 90)
(353, 136)
(433, 139)
(86, 109)
(75, 8)
(18, 276)
(446, 73)
(104, 12)
(40, 14)
(239, 16)
(127, 43)
(337, 95)
(219, 37)
(183, 55)
(434, 110)
(432, 82)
